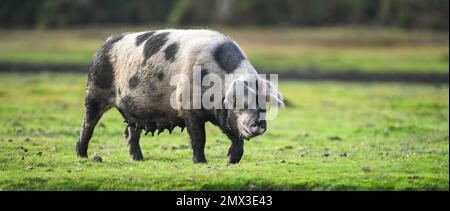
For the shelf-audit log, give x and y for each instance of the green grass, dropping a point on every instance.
(394, 137)
(323, 49)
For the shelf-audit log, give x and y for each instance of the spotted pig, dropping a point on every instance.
(132, 72)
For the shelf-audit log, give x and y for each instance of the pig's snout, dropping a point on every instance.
(258, 128)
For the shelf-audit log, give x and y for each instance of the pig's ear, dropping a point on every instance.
(273, 96)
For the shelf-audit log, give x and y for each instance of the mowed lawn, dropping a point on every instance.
(332, 136)
(270, 49)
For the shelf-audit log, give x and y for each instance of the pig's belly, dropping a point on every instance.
(150, 115)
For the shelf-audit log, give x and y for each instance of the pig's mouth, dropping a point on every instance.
(246, 134)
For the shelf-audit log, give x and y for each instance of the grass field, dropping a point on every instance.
(280, 49)
(332, 136)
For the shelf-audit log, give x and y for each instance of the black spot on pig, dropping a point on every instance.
(160, 76)
(171, 52)
(143, 37)
(154, 44)
(101, 73)
(133, 82)
(228, 56)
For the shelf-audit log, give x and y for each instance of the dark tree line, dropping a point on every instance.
(65, 13)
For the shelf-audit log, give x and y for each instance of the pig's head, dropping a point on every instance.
(247, 103)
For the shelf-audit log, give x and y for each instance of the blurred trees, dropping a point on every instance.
(63, 13)
(23, 13)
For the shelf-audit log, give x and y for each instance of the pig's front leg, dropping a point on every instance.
(236, 150)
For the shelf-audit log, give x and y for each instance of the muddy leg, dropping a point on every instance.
(94, 111)
(236, 151)
(133, 135)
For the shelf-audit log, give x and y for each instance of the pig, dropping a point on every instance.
(132, 72)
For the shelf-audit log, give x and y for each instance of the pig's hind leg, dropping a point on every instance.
(132, 136)
(96, 106)
(100, 92)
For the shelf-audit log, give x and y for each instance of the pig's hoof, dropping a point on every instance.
(200, 161)
(137, 157)
(233, 160)
(81, 150)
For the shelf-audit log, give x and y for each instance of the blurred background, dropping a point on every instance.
(428, 14)
(306, 39)
(365, 83)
